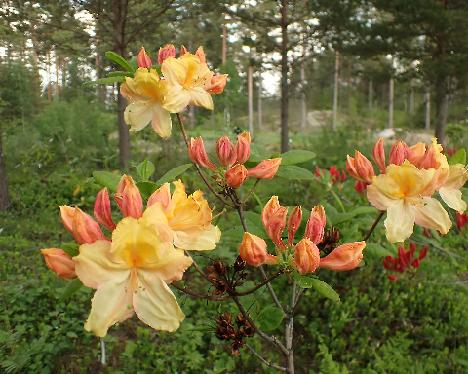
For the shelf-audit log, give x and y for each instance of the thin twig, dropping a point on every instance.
(266, 281)
(374, 225)
(197, 295)
(265, 361)
(250, 192)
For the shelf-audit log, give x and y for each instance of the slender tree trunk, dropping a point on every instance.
(336, 78)
(411, 99)
(441, 104)
(284, 78)
(303, 95)
(390, 103)
(49, 84)
(259, 102)
(427, 101)
(4, 200)
(224, 45)
(371, 95)
(57, 75)
(250, 97)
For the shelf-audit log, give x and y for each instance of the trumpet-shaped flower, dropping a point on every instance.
(146, 93)
(59, 262)
(130, 275)
(450, 190)
(405, 193)
(186, 78)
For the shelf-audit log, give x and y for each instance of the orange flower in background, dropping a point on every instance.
(236, 176)
(253, 250)
(143, 60)
(266, 169)
(59, 262)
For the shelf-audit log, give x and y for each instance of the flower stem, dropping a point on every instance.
(374, 225)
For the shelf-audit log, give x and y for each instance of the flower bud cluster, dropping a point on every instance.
(236, 333)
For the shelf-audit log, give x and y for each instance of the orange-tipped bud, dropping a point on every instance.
(253, 250)
(398, 153)
(315, 228)
(60, 262)
(102, 210)
(162, 195)
(243, 147)
(81, 225)
(128, 197)
(294, 222)
(143, 60)
(274, 217)
(226, 152)
(236, 176)
(378, 154)
(345, 257)
(198, 155)
(182, 50)
(165, 52)
(200, 53)
(266, 169)
(429, 160)
(217, 84)
(359, 167)
(306, 256)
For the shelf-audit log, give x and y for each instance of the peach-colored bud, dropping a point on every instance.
(226, 152)
(364, 167)
(128, 197)
(81, 225)
(378, 154)
(429, 160)
(253, 250)
(162, 195)
(200, 53)
(59, 262)
(243, 147)
(351, 167)
(306, 256)
(67, 214)
(236, 176)
(182, 50)
(198, 155)
(274, 218)
(143, 60)
(345, 257)
(165, 52)
(399, 152)
(102, 210)
(416, 154)
(266, 169)
(217, 84)
(315, 228)
(294, 222)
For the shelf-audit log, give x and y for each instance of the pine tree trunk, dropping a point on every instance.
(284, 78)
(224, 45)
(250, 97)
(371, 95)
(441, 104)
(4, 200)
(303, 97)
(427, 119)
(259, 103)
(411, 99)
(336, 78)
(390, 103)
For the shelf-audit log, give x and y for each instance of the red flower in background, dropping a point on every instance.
(405, 260)
(462, 220)
(336, 174)
(360, 186)
(450, 151)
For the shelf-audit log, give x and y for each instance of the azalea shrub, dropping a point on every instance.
(149, 244)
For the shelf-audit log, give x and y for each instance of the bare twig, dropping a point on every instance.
(374, 225)
(266, 281)
(197, 295)
(265, 361)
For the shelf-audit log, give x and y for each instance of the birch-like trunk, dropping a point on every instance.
(250, 98)
(336, 78)
(390, 103)
(427, 116)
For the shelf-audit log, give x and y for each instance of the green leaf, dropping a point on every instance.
(296, 156)
(376, 250)
(325, 289)
(107, 179)
(145, 170)
(303, 281)
(339, 217)
(107, 80)
(119, 60)
(295, 173)
(173, 173)
(257, 153)
(253, 221)
(270, 318)
(146, 188)
(120, 73)
(72, 286)
(459, 157)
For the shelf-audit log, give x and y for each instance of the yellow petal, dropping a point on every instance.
(432, 215)
(399, 222)
(453, 198)
(377, 198)
(111, 303)
(173, 70)
(458, 175)
(138, 114)
(95, 264)
(161, 121)
(155, 304)
(200, 97)
(177, 98)
(198, 240)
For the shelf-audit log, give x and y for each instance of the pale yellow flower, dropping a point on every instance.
(131, 274)
(450, 190)
(188, 217)
(187, 78)
(146, 93)
(405, 193)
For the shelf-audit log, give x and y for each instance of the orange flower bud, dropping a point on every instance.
(253, 250)
(399, 152)
(345, 257)
(102, 210)
(378, 154)
(143, 60)
(364, 167)
(315, 228)
(59, 262)
(128, 197)
(294, 222)
(416, 154)
(306, 256)
(274, 218)
(266, 169)
(182, 50)
(243, 147)
(198, 155)
(236, 176)
(165, 52)
(225, 151)
(430, 159)
(162, 195)
(200, 53)
(81, 225)
(217, 84)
